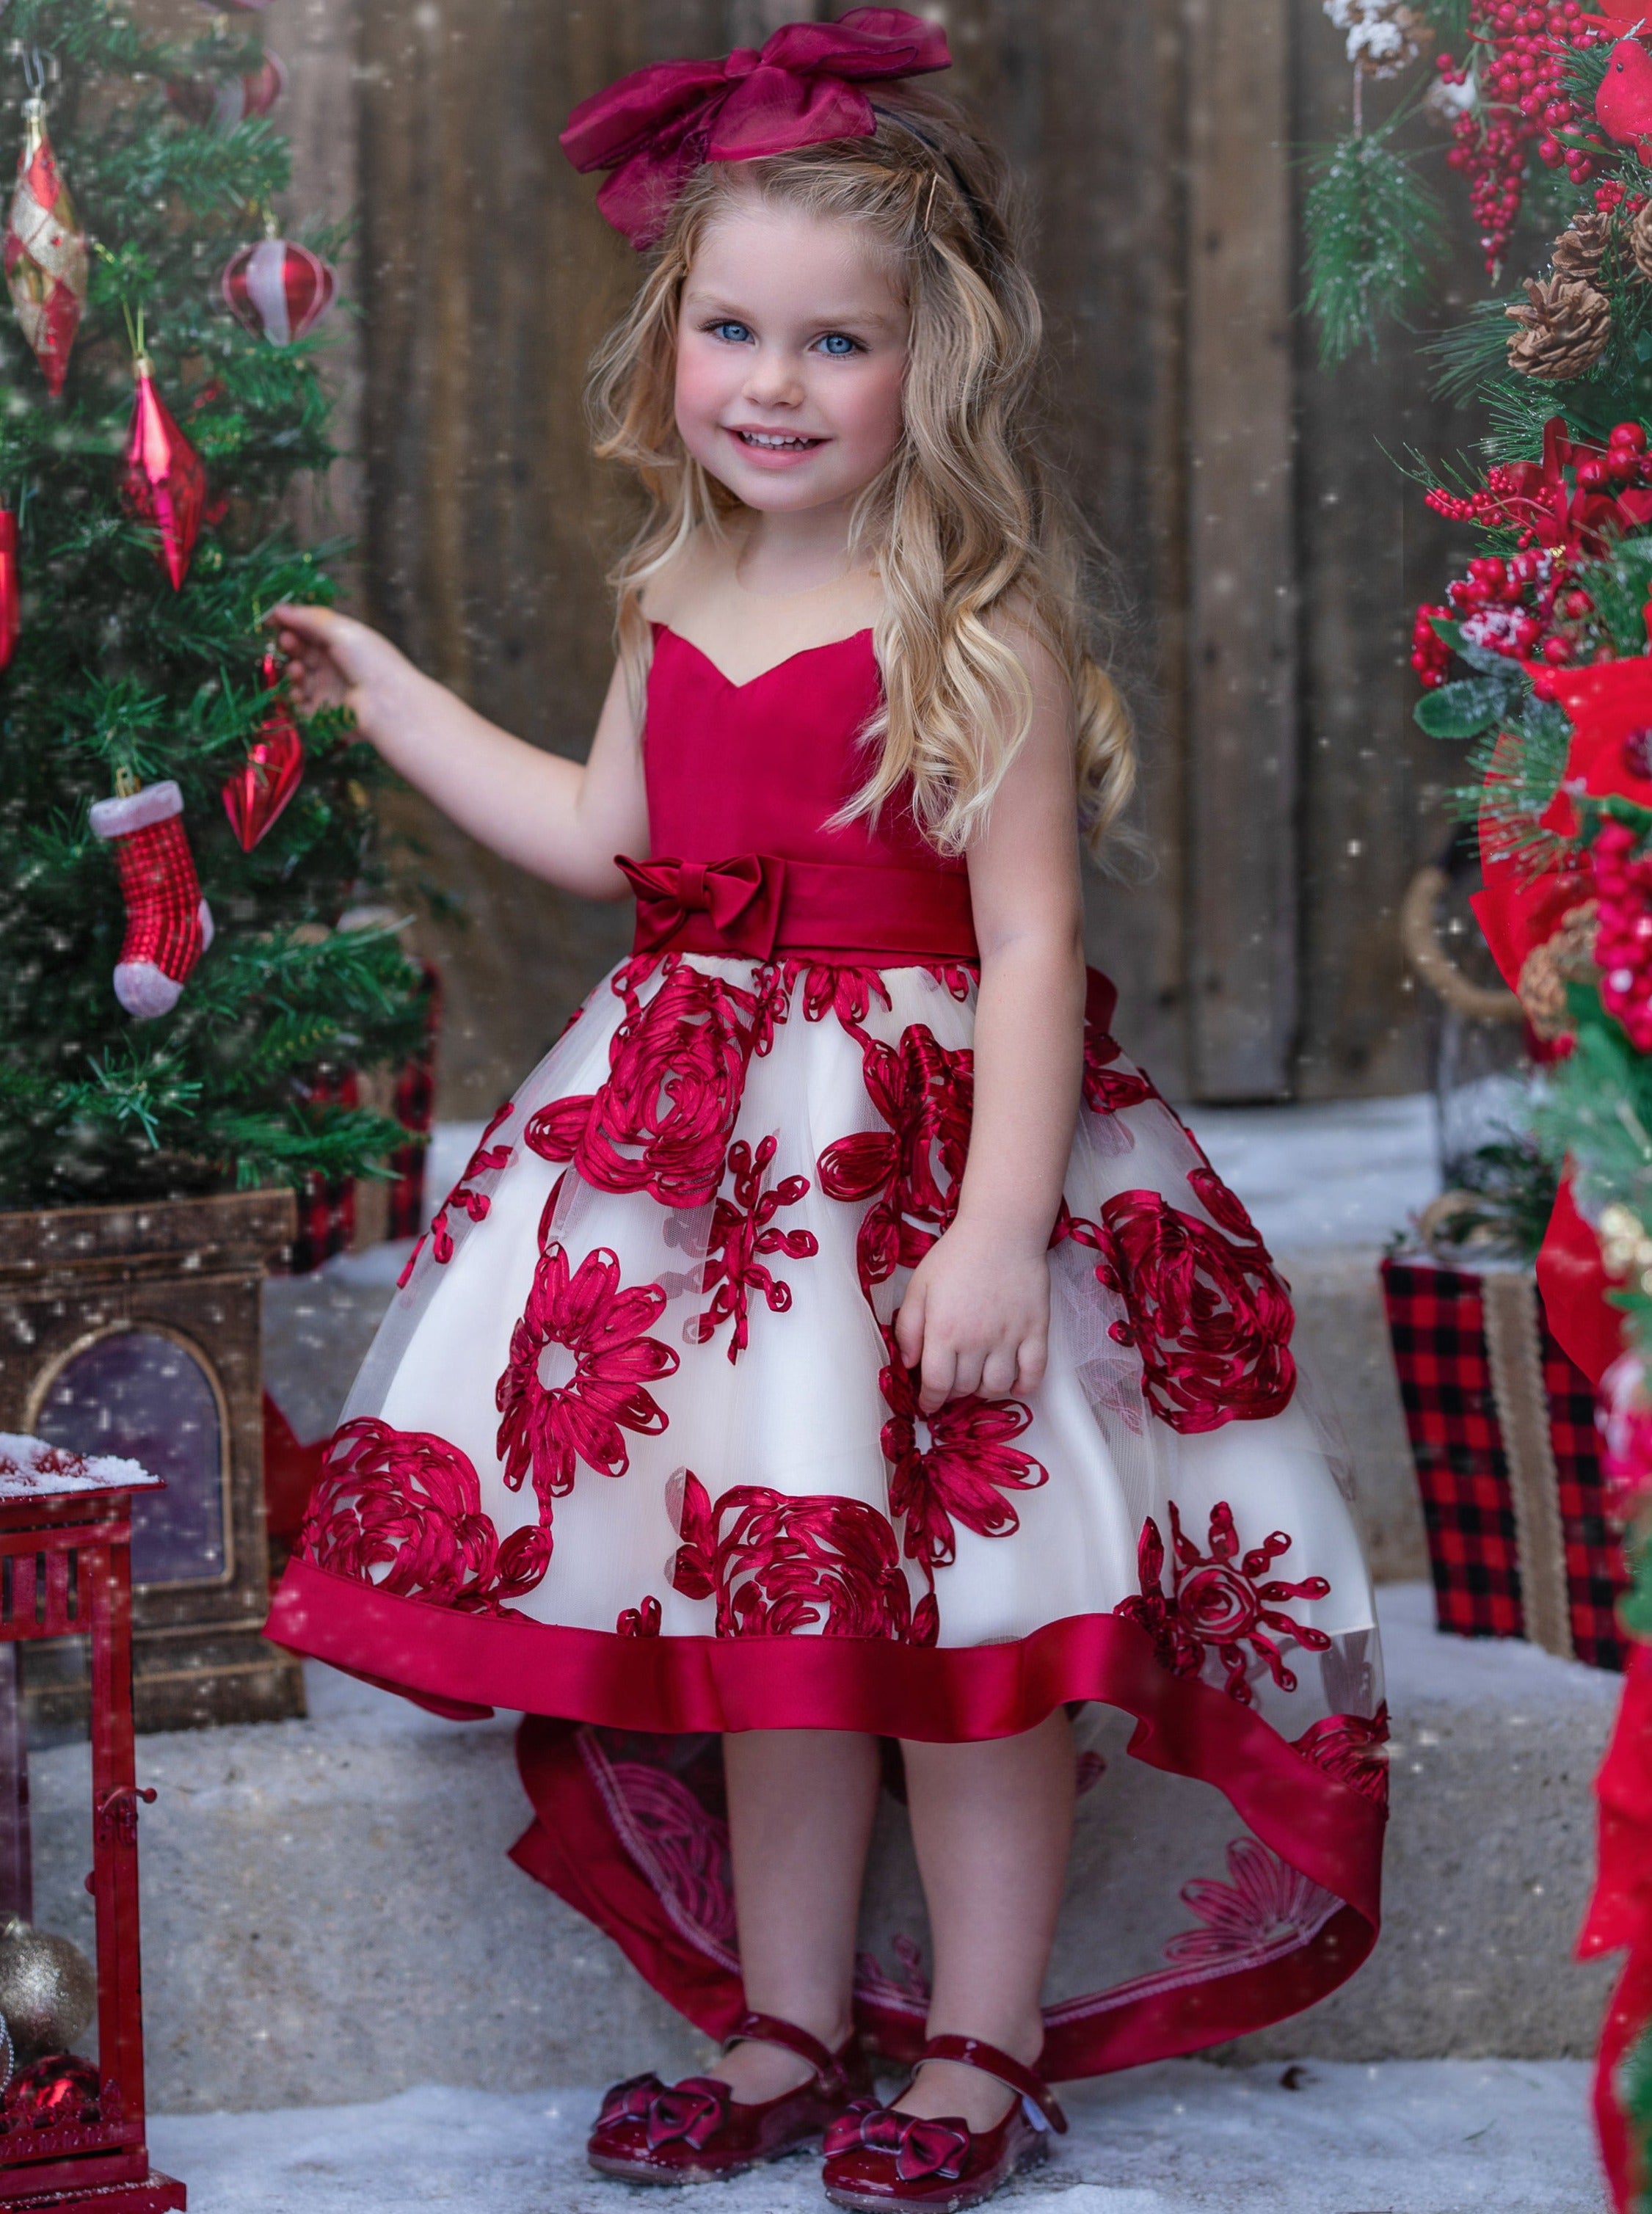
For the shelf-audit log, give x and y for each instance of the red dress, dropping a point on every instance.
(634, 1452)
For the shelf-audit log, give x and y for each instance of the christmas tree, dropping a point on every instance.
(157, 396)
(1537, 654)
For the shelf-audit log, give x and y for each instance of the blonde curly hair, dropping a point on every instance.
(966, 523)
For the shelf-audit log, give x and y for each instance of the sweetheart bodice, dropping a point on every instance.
(763, 767)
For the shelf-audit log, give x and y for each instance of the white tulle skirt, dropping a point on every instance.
(634, 1452)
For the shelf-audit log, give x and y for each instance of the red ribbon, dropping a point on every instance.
(740, 899)
(655, 127)
(921, 2147)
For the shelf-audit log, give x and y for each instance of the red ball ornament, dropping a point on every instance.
(163, 479)
(279, 290)
(219, 104)
(11, 613)
(274, 768)
(59, 2092)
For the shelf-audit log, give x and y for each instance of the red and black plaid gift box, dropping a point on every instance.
(1502, 1425)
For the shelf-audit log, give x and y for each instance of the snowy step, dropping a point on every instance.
(1444, 2137)
(328, 1914)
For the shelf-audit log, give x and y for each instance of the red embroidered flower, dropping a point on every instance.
(777, 1565)
(401, 1509)
(485, 1158)
(967, 1461)
(608, 1358)
(911, 1170)
(846, 993)
(662, 1122)
(1209, 1318)
(1268, 1908)
(742, 1231)
(1216, 1600)
(1351, 1748)
(642, 1621)
(1108, 1089)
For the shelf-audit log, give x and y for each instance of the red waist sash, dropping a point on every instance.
(756, 905)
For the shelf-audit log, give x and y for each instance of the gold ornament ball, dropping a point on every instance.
(48, 1989)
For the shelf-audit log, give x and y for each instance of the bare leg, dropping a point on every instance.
(993, 1825)
(800, 1810)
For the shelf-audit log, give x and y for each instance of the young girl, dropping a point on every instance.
(836, 1344)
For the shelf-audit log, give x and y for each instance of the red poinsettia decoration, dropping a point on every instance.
(607, 1362)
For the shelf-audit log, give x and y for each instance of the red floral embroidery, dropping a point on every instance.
(1216, 1600)
(1210, 1318)
(827, 989)
(546, 1428)
(742, 1231)
(1107, 1089)
(777, 1565)
(911, 1170)
(401, 1509)
(485, 1158)
(969, 1461)
(1270, 1907)
(1351, 1748)
(677, 1067)
(642, 1621)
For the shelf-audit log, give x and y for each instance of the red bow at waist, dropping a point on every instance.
(756, 905)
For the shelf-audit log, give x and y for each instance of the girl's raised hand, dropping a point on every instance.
(335, 662)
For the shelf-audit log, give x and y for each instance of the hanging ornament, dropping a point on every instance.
(48, 1989)
(279, 290)
(162, 478)
(11, 613)
(45, 253)
(219, 103)
(257, 793)
(168, 924)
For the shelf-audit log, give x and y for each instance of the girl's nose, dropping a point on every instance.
(775, 380)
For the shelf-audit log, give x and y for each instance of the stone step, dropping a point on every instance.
(328, 1914)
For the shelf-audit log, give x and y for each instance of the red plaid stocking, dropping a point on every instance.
(168, 924)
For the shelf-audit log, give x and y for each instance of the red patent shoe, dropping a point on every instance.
(876, 2157)
(697, 2132)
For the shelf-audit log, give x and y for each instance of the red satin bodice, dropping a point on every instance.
(763, 767)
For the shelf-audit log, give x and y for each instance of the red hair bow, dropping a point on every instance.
(655, 127)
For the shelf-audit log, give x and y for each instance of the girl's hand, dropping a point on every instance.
(976, 1317)
(335, 662)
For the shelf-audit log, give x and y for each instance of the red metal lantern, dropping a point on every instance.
(71, 2126)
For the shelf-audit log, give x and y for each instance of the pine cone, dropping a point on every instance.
(1567, 957)
(1640, 240)
(1564, 331)
(1578, 251)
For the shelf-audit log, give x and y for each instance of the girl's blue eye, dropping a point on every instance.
(839, 343)
(736, 333)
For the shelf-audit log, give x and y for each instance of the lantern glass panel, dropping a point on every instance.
(143, 1395)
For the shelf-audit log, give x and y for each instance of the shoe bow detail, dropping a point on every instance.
(922, 2147)
(690, 2110)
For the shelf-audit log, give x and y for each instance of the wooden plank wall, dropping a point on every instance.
(1264, 552)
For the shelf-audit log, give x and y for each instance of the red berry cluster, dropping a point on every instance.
(1622, 949)
(1519, 73)
(1503, 607)
(1492, 507)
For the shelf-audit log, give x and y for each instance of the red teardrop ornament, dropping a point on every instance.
(163, 480)
(11, 613)
(257, 793)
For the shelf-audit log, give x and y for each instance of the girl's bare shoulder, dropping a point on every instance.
(680, 587)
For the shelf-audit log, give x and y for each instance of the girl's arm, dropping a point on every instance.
(976, 1311)
(562, 820)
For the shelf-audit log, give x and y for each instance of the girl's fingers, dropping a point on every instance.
(1029, 1363)
(909, 1326)
(311, 624)
(966, 1376)
(999, 1372)
(939, 1377)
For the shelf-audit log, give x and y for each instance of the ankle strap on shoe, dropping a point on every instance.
(975, 2052)
(770, 2029)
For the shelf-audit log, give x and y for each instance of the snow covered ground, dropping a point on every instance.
(1418, 2136)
